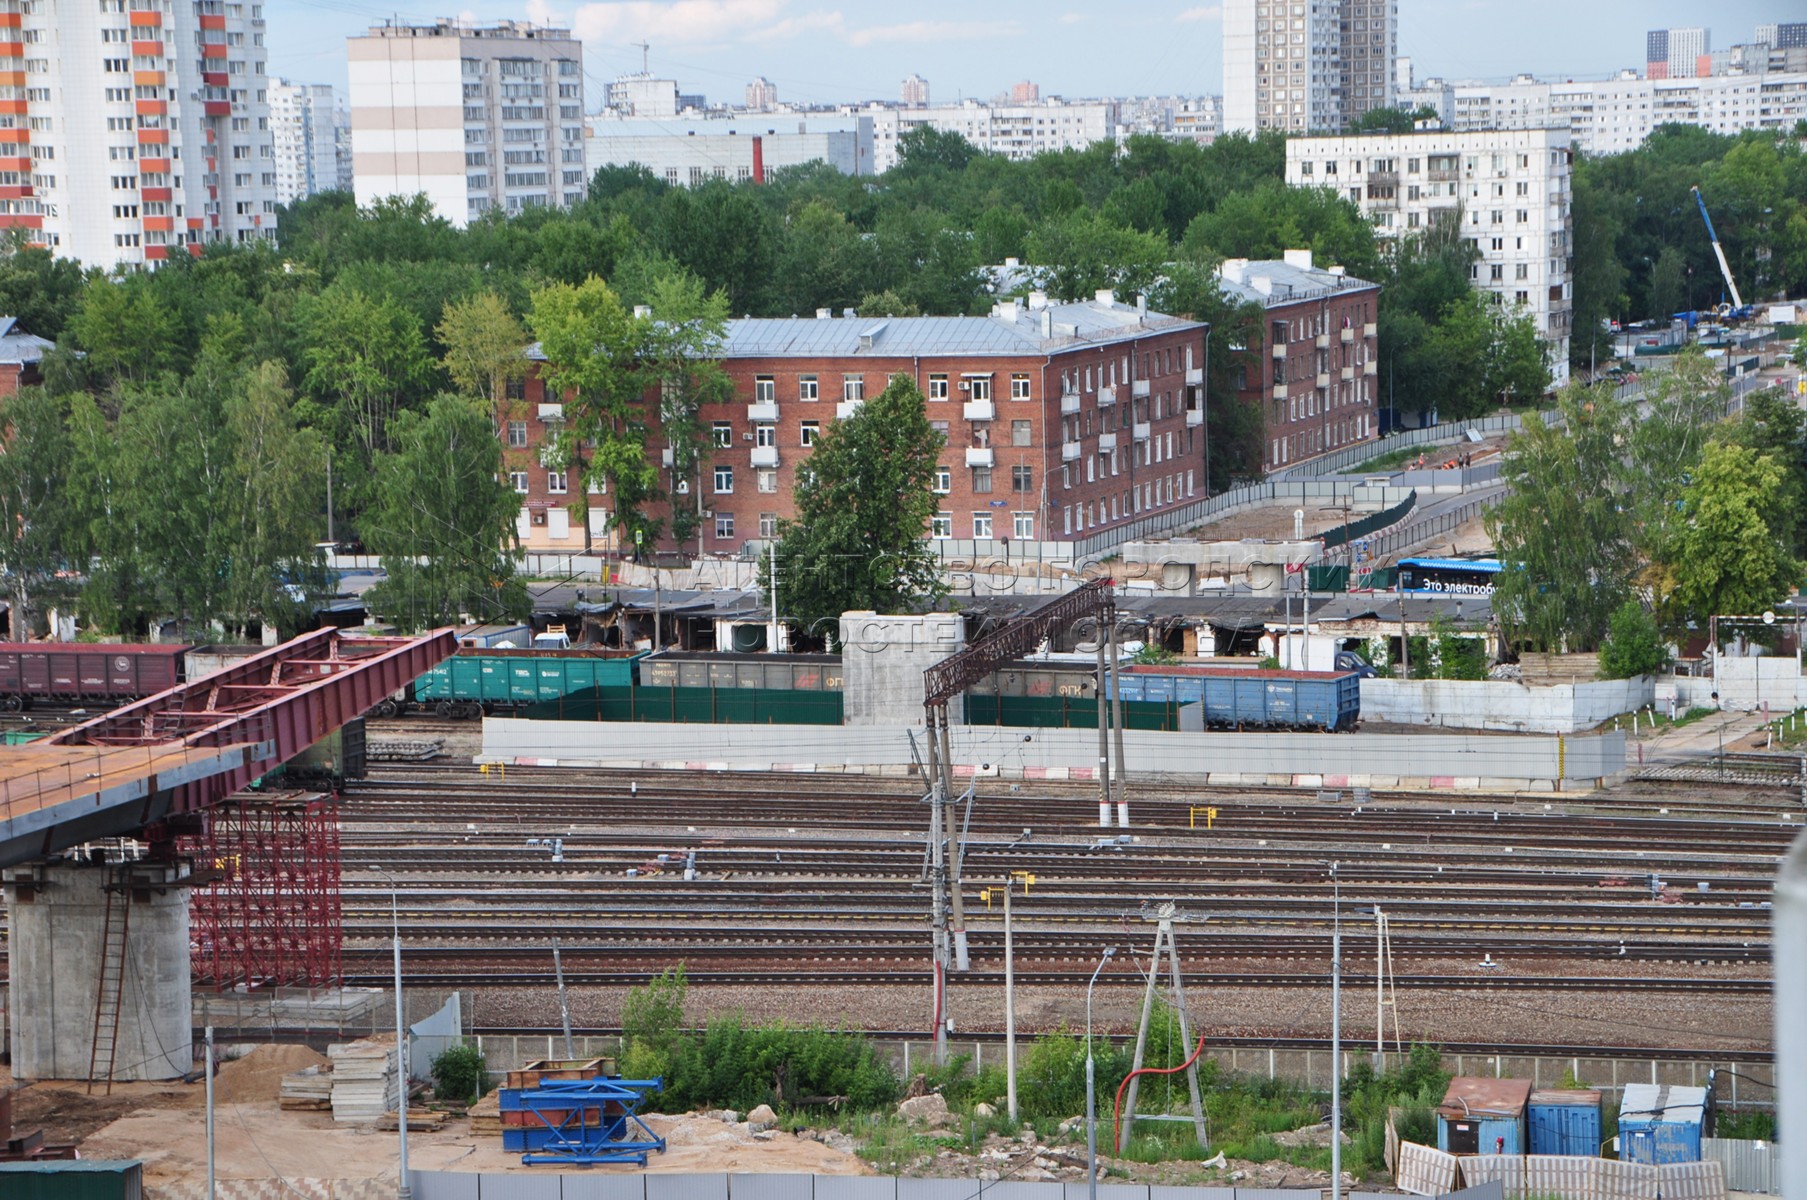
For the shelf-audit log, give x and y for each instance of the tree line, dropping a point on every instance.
(217, 417)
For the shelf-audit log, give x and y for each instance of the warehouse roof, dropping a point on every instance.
(18, 346)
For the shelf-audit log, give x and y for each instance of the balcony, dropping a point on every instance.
(1371, 368)
(1348, 335)
(1069, 404)
(979, 410)
(1140, 431)
(1279, 391)
(980, 456)
(766, 413)
(552, 412)
(1139, 389)
(1069, 452)
(1348, 374)
(1195, 376)
(1107, 442)
(1107, 396)
(765, 456)
(665, 457)
(846, 408)
(1323, 380)
(1322, 341)
(1195, 416)
(1370, 330)
(1279, 349)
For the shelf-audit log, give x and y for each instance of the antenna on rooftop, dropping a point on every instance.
(645, 51)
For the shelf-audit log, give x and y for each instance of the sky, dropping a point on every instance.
(829, 51)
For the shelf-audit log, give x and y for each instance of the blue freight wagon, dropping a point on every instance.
(474, 682)
(1251, 699)
(1661, 1125)
(1483, 1116)
(1565, 1121)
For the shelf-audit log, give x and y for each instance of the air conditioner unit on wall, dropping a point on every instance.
(683, 488)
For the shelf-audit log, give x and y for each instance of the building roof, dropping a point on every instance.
(1476, 1096)
(1583, 1097)
(1275, 282)
(19, 347)
(1652, 1104)
(1009, 330)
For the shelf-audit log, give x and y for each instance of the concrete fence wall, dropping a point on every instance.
(1314, 760)
(1487, 704)
(1747, 684)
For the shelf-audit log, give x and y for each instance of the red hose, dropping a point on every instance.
(1117, 1108)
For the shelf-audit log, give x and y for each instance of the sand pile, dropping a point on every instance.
(258, 1075)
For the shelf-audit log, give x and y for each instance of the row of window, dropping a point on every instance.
(853, 387)
(1022, 526)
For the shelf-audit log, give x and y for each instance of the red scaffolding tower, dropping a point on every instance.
(270, 914)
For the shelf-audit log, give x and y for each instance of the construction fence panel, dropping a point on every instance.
(789, 1186)
(1426, 1170)
(691, 1187)
(1749, 1166)
(937, 1189)
(604, 1187)
(855, 1187)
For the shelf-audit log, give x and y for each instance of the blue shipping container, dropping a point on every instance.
(1661, 1125)
(1483, 1116)
(1565, 1122)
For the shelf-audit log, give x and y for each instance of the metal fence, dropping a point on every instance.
(459, 1185)
(1749, 1166)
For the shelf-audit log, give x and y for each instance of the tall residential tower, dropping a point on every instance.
(134, 129)
(475, 117)
(1306, 66)
(313, 140)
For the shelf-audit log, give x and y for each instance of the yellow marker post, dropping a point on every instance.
(1192, 816)
(985, 895)
(1026, 877)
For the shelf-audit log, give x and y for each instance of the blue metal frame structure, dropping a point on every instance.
(567, 1134)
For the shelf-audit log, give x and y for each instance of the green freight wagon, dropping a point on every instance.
(72, 1179)
(474, 682)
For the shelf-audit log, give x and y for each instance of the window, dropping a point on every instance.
(1022, 479)
(806, 389)
(1019, 433)
(767, 480)
(768, 526)
(981, 481)
(938, 387)
(723, 434)
(1024, 526)
(979, 386)
(518, 481)
(941, 525)
(724, 480)
(517, 434)
(811, 431)
(1019, 387)
(724, 526)
(944, 480)
(765, 434)
(765, 390)
(555, 482)
(853, 387)
(981, 525)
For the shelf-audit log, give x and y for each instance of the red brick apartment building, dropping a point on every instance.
(1061, 420)
(1314, 374)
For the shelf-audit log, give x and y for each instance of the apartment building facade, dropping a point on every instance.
(1509, 188)
(1314, 372)
(476, 117)
(694, 148)
(313, 140)
(1061, 420)
(1016, 131)
(1302, 66)
(131, 130)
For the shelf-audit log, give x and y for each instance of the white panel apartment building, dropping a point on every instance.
(1016, 131)
(1511, 190)
(131, 130)
(1306, 65)
(313, 140)
(475, 117)
(694, 148)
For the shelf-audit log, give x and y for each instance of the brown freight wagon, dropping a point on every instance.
(79, 672)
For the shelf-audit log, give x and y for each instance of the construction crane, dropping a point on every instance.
(1725, 269)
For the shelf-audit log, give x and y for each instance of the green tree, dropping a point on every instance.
(444, 521)
(41, 291)
(1633, 645)
(1083, 252)
(365, 360)
(128, 333)
(1563, 535)
(863, 510)
(1667, 290)
(1773, 425)
(682, 352)
(1392, 120)
(1725, 555)
(34, 477)
(1684, 406)
(485, 349)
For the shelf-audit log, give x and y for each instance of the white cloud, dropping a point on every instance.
(790, 27)
(1205, 12)
(933, 31)
(542, 13)
(677, 22)
(1071, 18)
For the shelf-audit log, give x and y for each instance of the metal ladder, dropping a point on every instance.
(109, 994)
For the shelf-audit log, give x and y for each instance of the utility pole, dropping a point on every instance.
(1117, 724)
(1104, 737)
(564, 1009)
(937, 891)
(1336, 1038)
(1009, 1007)
(956, 902)
(772, 560)
(209, 1064)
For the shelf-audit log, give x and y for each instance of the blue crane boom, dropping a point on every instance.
(1719, 251)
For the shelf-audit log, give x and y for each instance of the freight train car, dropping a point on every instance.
(474, 682)
(85, 672)
(1170, 698)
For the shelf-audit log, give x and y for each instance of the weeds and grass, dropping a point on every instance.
(890, 1143)
(1747, 1124)
(1789, 730)
(1389, 461)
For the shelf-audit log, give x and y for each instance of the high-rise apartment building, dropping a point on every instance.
(762, 95)
(1509, 189)
(1675, 53)
(1307, 65)
(915, 92)
(131, 130)
(475, 117)
(313, 140)
(1016, 131)
(1783, 35)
